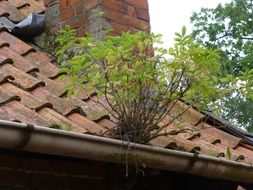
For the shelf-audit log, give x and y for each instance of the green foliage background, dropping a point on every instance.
(229, 28)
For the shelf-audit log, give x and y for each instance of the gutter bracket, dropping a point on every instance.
(26, 135)
(191, 163)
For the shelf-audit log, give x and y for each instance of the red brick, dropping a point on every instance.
(64, 4)
(35, 164)
(11, 187)
(10, 161)
(75, 22)
(122, 14)
(88, 4)
(79, 168)
(81, 31)
(13, 177)
(79, 10)
(131, 11)
(48, 181)
(70, 167)
(139, 3)
(60, 166)
(119, 28)
(78, 183)
(142, 14)
(98, 170)
(115, 5)
(114, 15)
(67, 14)
(136, 23)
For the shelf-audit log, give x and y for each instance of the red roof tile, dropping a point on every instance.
(93, 110)
(62, 105)
(192, 116)
(4, 59)
(6, 116)
(31, 92)
(56, 119)
(18, 61)
(28, 6)
(7, 96)
(55, 87)
(90, 126)
(42, 62)
(21, 79)
(17, 10)
(23, 114)
(26, 98)
(7, 9)
(211, 134)
(14, 43)
(107, 124)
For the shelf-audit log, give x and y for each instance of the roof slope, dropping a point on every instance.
(31, 92)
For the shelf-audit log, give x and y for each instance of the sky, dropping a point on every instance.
(168, 16)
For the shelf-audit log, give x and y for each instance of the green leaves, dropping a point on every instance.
(138, 83)
(183, 31)
(228, 27)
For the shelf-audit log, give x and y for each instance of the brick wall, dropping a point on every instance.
(30, 171)
(121, 15)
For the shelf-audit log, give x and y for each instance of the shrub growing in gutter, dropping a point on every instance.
(139, 83)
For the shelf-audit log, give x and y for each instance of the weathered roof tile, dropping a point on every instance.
(191, 115)
(59, 121)
(246, 152)
(26, 98)
(4, 59)
(90, 126)
(6, 96)
(107, 124)
(28, 6)
(41, 61)
(21, 113)
(208, 149)
(163, 141)
(21, 79)
(18, 3)
(92, 109)
(210, 133)
(5, 116)
(15, 44)
(63, 106)
(18, 61)
(175, 143)
(6, 9)
(56, 88)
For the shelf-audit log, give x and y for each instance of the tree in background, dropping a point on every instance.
(229, 27)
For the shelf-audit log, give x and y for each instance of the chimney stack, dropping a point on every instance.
(120, 15)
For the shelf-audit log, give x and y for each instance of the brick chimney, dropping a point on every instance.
(120, 15)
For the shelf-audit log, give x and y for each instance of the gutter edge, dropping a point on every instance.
(76, 145)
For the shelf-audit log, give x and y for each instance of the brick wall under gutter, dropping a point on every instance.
(29, 171)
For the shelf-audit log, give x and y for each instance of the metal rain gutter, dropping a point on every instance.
(20, 136)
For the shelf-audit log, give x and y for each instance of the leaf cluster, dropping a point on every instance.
(229, 28)
(139, 83)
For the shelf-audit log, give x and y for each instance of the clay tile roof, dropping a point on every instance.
(17, 10)
(31, 92)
